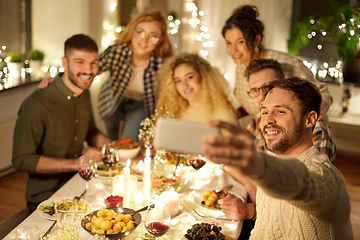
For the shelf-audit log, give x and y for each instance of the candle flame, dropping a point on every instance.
(148, 152)
(141, 165)
(128, 163)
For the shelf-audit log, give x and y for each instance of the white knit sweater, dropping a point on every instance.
(302, 198)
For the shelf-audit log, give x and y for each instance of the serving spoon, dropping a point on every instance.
(142, 209)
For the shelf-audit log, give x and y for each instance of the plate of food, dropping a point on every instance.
(113, 223)
(46, 209)
(209, 199)
(103, 171)
(163, 183)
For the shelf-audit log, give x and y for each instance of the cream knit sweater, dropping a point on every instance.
(302, 198)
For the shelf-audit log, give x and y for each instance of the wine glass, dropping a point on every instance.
(28, 232)
(108, 157)
(197, 162)
(157, 218)
(87, 171)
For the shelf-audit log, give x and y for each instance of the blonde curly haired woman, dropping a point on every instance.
(193, 90)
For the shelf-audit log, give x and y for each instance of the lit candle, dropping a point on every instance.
(118, 185)
(141, 166)
(147, 176)
(172, 199)
(126, 196)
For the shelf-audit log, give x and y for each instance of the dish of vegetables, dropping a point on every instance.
(46, 209)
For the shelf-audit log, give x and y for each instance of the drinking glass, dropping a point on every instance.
(196, 162)
(157, 218)
(86, 171)
(28, 232)
(108, 157)
(199, 178)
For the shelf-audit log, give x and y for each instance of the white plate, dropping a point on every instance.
(197, 200)
(48, 202)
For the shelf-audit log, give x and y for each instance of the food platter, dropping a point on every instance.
(136, 219)
(49, 201)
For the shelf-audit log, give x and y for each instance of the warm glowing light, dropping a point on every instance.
(141, 165)
(352, 32)
(171, 24)
(118, 29)
(110, 27)
(61, 69)
(148, 153)
(177, 22)
(3, 48)
(227, 76)
(170, 17)
(319, 46)
(128, 163)
(113, 7)
(204, 28)
(210, 43)
(201, 13)
(192, 7)
(312, 21)
(53, 71)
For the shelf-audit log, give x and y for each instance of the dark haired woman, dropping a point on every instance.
(243, 33)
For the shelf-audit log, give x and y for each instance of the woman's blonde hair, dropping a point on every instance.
(214, 88)
(163, 50)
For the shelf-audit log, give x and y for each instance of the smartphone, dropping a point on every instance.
(182, 136)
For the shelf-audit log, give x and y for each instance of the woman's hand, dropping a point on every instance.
(45, 82)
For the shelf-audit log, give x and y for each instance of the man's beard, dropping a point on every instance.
(72, 77)
(290, 138)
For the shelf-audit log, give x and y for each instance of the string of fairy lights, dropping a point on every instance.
(202, 36)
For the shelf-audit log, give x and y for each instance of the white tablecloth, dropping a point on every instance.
(215, 179)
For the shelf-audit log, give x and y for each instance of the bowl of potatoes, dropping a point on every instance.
(113, 223)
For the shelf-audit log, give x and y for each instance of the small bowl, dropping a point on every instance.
(125, 154)
(111, 202)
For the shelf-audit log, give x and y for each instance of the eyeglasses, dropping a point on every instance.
(254, 92)
(142, 34)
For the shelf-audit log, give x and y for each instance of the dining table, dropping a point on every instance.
(191, 211)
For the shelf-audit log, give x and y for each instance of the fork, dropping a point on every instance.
(217, 218)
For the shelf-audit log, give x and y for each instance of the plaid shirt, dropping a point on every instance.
(117, 59)
(291, 66)
(322, 138)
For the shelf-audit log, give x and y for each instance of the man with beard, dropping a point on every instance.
(259, 73)
(53, 124)
(300, 195)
